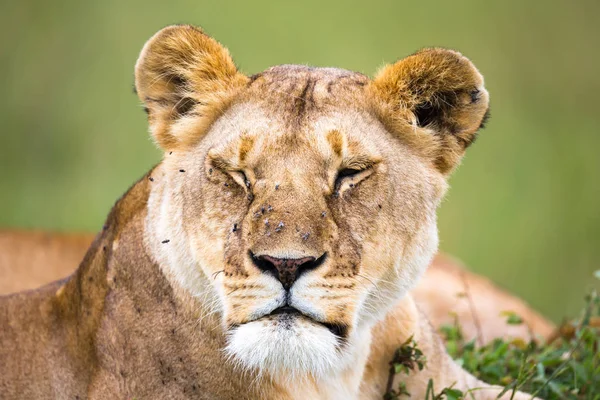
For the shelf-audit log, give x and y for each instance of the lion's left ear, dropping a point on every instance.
(185, 79)
(436, 99)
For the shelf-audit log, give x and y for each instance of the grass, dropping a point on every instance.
(566, 366)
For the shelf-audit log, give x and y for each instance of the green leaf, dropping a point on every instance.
(514, 319)
(453, 394)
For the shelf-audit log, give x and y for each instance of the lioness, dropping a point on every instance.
(270, 253)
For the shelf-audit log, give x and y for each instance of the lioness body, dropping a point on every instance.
(30, 259)
(270, 254)
(447, 290)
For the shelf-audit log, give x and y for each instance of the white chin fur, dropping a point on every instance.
(285, 349)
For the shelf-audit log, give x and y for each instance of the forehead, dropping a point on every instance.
(299, 92)
(300, 107)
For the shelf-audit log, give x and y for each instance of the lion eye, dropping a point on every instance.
(240, 178)
(352, 176)
(347, 172)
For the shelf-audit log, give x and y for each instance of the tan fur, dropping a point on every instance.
(30, 259)
(250, 169)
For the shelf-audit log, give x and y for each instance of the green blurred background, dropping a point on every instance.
(523, 209)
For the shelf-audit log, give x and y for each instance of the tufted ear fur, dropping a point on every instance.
(434, 98)
(185, 79)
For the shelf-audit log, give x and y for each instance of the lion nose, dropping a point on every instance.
(287, 270)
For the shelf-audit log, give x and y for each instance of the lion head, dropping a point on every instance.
(299, 204)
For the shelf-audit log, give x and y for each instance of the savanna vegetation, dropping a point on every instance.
(565, 366)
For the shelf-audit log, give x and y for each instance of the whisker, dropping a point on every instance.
(214, 276)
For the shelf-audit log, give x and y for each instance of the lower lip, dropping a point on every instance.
(337, 330)
(285, 310)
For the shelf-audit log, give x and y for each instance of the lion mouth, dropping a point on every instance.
(338, 330)
(289, 310)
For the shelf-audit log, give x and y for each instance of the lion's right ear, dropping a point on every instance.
(185, 79)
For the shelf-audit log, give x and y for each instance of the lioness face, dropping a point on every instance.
(299, 204)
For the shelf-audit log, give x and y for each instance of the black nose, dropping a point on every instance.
(287, 270)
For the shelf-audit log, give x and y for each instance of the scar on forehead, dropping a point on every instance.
(336, 141)
(246, 145)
